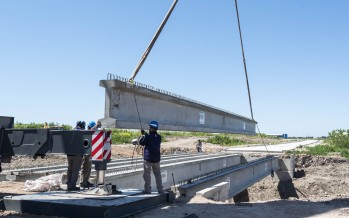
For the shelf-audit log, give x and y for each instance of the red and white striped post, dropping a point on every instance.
(101, 153)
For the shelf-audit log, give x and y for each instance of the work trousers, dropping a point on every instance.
(147, 178)
(85, 170)
(74, 166)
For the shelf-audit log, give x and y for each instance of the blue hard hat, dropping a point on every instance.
(91, 124)
(154, 124)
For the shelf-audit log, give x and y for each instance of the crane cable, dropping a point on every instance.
(246, 75)
(138, 148)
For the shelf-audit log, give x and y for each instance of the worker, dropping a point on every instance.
(74, 164)
(151, 142)
(99, 125)
(199, 146)
(86, 163)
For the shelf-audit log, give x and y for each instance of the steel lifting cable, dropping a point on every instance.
(137, 147)
(246, 75)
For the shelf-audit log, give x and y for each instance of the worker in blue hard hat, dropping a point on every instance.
(151, 142)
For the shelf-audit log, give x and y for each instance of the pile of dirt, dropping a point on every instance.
(304, 161)
(316, 178)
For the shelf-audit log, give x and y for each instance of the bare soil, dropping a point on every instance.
(320, 188)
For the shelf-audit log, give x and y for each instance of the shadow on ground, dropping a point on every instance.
(278, 208)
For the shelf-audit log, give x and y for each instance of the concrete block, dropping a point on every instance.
(287, 167)
(219, 192)
(284, 175)
(287, 164)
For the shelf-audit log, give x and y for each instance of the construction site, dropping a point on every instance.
(311, 193)
(153, 175)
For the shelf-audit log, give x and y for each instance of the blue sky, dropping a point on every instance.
(53, 54)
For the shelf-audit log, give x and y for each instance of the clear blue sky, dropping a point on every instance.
(53, 54)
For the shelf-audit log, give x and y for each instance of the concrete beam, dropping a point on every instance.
(238, 177)
(173, 112)
(181, 171)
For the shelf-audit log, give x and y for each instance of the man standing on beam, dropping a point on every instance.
(151, 143)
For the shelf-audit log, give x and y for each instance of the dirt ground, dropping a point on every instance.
(320, 188)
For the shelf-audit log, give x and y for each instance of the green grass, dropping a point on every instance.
(32, 125)
(322, 150)
(124, 136)
(337, 141)
(224, 139)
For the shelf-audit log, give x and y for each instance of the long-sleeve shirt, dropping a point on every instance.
(151, 143)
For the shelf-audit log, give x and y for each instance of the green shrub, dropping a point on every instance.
(339, 137)
(124, 136)
(32, 125)
(345, 153)
(223, 139)
(321, 149)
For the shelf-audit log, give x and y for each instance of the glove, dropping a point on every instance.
(142, 131)
(134, 141)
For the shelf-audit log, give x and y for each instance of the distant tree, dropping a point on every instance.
(32, 125)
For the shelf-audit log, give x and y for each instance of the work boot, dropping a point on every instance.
(88, 185)
(145, 192)
(75, 188)
(161, 192)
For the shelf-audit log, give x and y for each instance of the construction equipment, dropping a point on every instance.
(39, 142)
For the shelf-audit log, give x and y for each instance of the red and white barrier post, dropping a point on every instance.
(101, 153)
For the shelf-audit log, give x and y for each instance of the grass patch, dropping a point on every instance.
(32, 125)
(224, 139)
(322, 150)
(124, 136)
(120, 136)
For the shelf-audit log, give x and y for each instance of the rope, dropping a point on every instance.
(246, 74)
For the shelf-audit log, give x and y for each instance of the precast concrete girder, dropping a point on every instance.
(173, 112)
(239, 177)
(181, 170)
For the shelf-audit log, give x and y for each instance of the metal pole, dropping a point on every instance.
(150, 46)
